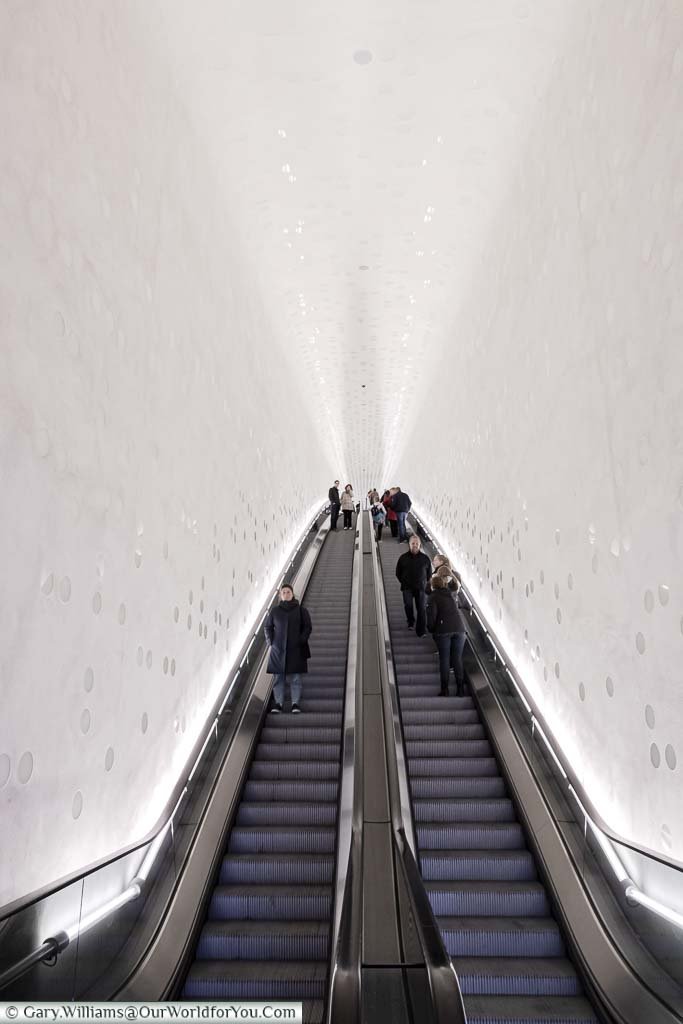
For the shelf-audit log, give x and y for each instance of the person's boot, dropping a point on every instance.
(443, 692)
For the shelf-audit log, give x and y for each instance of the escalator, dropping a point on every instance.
(493, 911)
(267, 932)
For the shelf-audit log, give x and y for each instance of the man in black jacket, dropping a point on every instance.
(413, 569)
(401, 504)
(287, 629)
(335, 504)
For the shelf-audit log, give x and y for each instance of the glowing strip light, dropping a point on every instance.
(134, 890)
(631, 891)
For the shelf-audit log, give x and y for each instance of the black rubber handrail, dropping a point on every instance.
(447, 1001)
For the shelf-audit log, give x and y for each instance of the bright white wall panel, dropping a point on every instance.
(156, 459)
(550, 452)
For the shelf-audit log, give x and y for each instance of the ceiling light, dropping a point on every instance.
(282, 133)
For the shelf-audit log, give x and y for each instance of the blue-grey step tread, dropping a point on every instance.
(289, 790)
(467, 835)
(478, 865)
(292, 868)
(301, 812)
(488, 899)
(443, 731)
(463, 809)
(452, 765)
(519, 925)
(264, 939)
(528, 1010)
(422, 716)
(238, 969)
(517, 976)
(293, 770)
(304, 751)
(456, 786)
(309, 719)
(300, 839)
(293, 732)
(448, 748)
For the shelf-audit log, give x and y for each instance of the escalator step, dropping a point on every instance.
(440, 704)
(443, 748)
(528, 1010)
(508, 976)
(270, 903)
(457, 786)
(266, 814)
(478, 865)
(443, 731)
(279, 869)
(488, 899)
(298, 751)
(471, 836)
(264, 940)
(426, 716)
(256, 980)
(272, 791)
(292, 839)
(463, 810)
(309, 720)
(502, 936)
(311, 770)
(453, 766)
(295, 730)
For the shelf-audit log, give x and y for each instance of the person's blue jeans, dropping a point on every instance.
(401, 519)
(294, 686)
(450, 647)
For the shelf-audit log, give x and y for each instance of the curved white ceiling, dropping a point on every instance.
(364, 154)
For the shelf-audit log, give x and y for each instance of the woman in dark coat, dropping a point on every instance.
(287, 628)
(446, 625)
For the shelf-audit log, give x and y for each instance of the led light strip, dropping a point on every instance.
(631, 891)
(61, 939)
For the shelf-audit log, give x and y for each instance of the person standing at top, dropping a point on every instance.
(401, 504)
(391, 515)
(347, 506)
(447, 626)
(335, 504)
(413, 570)
(287, 629)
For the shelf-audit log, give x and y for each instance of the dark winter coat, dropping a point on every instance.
(401, 502)
(443, 615)
(333, 495)
(413, 571)
(287, 628)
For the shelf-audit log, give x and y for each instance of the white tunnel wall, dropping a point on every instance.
(549, 456)
(157, 464)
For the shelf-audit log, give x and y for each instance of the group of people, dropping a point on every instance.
(430, 591)
(343, 502)
(393, 508)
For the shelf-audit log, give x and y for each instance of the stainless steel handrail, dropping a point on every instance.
(445, 989)
(603, 834)
(53, 945)
(345, 968)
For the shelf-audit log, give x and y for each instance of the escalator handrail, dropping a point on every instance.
(344, 988)
(447, 1000)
